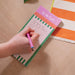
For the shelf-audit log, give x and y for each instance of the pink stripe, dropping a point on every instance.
(42, 11)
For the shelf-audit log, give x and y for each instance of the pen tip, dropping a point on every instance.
(32, 49)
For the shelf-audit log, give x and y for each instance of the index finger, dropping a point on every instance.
(26, 30)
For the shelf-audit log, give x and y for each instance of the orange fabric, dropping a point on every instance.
(70, 1)
(44, 19)
(64, 33)
(64, 13)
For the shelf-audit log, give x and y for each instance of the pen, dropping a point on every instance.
(30, 41)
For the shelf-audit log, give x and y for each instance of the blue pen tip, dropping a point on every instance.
(32, 47)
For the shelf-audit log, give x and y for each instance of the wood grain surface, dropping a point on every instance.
(54, 58)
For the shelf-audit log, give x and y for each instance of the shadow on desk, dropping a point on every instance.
(40, 65)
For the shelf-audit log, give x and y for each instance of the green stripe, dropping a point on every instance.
(38, 48)
(20, 31)
(45, 23)
(48, 26)
(23, 61)
(18, 57)
(40, 20)
(26, 23)
(37, 18)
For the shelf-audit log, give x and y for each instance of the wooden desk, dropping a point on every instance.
(54, 58)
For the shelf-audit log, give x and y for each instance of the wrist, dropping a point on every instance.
(9, 48)
(12, 47)
(5, 50)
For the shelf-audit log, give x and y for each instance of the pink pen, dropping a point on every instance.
(30, 41)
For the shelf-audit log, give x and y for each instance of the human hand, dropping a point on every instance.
(20, 43)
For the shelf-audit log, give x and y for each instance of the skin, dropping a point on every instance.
(18, 44)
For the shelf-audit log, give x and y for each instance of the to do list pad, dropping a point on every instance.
(44, 23)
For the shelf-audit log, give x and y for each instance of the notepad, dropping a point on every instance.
(44, 23)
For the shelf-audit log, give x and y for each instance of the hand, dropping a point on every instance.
(20, 43)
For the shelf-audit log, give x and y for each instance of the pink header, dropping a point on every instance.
(42, 11)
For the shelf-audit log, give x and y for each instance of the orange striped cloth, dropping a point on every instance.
(65, 9)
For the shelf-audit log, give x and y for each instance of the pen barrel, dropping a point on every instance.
(30, 41)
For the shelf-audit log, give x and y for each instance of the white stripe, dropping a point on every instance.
(64, 5)
(67, 24)
(63, 39)
(22, 60)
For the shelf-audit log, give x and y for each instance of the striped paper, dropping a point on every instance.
(65, 10)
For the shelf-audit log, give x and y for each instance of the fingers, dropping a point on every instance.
(26, 30)
(34, 35)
